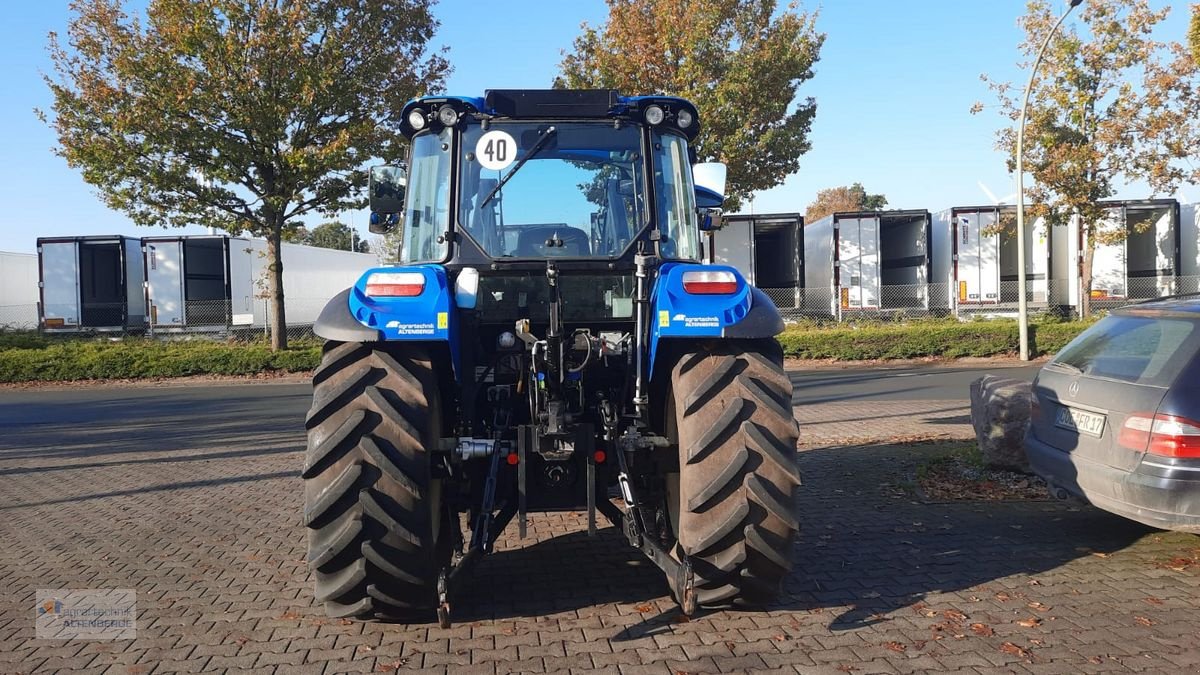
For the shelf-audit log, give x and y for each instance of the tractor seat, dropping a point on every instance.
(531, 243)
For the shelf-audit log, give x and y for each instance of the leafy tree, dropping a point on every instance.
(1194, 33)
(872, 202)
(1101, 113)
(297, 235)
(238, 114)
(336, 235)
(737, 60)
(834, 200)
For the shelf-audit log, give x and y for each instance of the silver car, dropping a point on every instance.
(1116, 415)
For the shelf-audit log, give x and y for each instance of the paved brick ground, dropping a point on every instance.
(843, 422)
(199, 512)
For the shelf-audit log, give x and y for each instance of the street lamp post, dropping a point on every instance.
(1022, 304)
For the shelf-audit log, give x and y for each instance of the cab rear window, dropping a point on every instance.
(1136, 349)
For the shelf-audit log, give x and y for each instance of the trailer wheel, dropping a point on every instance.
(734, 508)
(374, 514)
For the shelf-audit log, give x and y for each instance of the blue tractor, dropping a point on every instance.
(550, 341)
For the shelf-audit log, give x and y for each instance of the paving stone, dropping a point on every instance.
(213, 546)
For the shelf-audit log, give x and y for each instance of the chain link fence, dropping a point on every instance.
(194, 319)
(219, 319)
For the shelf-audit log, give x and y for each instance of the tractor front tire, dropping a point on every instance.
(735, 503)
(371, 507)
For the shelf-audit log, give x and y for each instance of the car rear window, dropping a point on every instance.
(1137, 349)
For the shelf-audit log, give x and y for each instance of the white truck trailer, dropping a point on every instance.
(1144, 263)
(18, 291)
(311, 277)
(768, 250)
(205, 283)
(984, 259)
(92, 283)
(869, 261)
(198, 283)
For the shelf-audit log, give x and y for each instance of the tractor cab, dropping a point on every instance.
(518, 177)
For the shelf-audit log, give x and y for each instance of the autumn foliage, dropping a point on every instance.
(739, 61)
(842, 199)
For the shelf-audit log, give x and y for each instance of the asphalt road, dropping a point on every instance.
(898, 383)
(166, 412)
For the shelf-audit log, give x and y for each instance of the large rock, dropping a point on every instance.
(1000, 414)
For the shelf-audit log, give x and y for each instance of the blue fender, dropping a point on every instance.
(676, 314)
(353, 316)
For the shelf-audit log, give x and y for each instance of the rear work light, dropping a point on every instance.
(710, 283)
(1163, 435)
(395, 284)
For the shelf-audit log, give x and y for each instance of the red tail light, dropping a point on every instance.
(1164, 435)
(712, 282)
(395, 284)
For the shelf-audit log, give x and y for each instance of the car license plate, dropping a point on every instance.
(1080, 421)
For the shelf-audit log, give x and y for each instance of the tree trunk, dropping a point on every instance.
(275, 288)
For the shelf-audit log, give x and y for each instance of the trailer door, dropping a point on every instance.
(966, 242)
(849, 276)
(1037, 253)
(164, 282)
(858, 251)
(1108, 260)
(241, 282)
(868, 268)
(135, 284)
(60, 284)
(733, 245)
(989, 256)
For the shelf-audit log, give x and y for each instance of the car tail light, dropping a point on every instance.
(1165, 435)
(713, 282)
(395, 284)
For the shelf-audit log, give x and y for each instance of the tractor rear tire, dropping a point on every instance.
(735, 503)
(373, 511)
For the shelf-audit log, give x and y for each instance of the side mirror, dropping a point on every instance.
(385, 192)
(709, 179)
(710, 219)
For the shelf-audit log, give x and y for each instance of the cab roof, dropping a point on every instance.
(554, 104)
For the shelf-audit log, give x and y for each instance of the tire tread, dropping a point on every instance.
(738, 474)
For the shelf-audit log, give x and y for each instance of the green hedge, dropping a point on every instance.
(945, 339)
(65, 360)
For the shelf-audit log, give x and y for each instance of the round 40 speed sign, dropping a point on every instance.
(496, 150)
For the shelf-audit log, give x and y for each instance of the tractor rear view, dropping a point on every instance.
(550, 342)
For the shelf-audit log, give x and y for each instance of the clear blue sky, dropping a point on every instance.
(893, 87)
